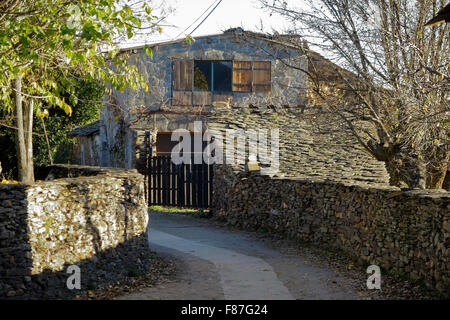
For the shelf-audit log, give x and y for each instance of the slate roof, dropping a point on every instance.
(87, 130)
(312, 143)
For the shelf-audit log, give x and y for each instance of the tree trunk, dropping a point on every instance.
(446, 183)
(406, 171)
(23, 135)
(437, 169)
(48, 143)
(20, 135)
(28, 124)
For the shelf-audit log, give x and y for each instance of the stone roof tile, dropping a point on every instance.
(87, 130)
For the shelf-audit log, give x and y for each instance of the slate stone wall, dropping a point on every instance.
(97, 219)
(312, 144)
(408, 232)
(86, 150)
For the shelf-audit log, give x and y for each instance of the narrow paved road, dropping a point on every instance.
(217, 263)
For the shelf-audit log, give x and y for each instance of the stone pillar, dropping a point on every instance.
(104, 148)
(140, 150)
(153, 138)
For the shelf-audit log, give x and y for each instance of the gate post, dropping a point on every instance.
(148, 175)
(180, 184)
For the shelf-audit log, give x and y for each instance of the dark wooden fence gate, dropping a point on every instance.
(183, 185)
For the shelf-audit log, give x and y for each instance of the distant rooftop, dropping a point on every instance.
(87, 130)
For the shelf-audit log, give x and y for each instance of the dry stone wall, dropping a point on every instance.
(404, 231)
(311, 143)
(97, 220)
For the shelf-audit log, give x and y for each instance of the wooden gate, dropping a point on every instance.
(183, 185)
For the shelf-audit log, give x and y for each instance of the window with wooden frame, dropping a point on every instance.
(252, 76)
(214, 76)
(196, 82)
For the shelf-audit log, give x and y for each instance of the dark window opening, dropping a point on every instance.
(165, 145)
(202, 82)
(215, 76)
(222, 76)
(202, 76)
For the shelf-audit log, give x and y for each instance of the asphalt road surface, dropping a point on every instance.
(216, 263)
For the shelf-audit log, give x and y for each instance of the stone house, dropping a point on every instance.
(216, 79)
(187, 80)
(88, 144)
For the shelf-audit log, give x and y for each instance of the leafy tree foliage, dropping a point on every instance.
(47, 46)
(57, 125)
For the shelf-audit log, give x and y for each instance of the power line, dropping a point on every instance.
(206, 17)
(214, 2)
(196, 19)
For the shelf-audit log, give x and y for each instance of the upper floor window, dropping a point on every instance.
(201, 82)
(214, 76)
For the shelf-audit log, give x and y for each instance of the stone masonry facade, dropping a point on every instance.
(330, 192)
(309, 146)
(403, 231)
(288, 84)
(143, 112)
(92, 217)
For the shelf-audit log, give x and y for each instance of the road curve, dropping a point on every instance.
(218, 263)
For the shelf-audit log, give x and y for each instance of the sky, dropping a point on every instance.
(228, 14)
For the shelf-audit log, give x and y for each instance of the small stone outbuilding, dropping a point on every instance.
(88, 144)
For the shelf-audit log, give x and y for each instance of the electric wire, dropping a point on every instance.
(206, 17)
(212, 4)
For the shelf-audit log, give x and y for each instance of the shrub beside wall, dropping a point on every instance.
(97, 221)
(408, 232)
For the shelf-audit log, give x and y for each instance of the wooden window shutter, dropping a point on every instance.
(251, 76)
(182, 75)
(202, 98)
(182, 98)
(242, 76)
(262, 75)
